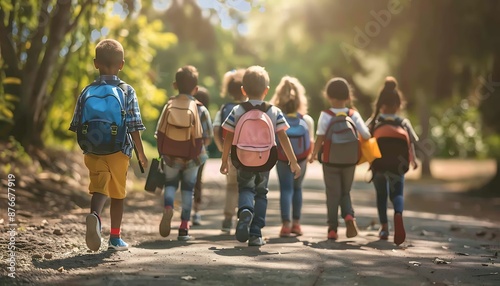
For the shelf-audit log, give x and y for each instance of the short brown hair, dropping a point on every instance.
(186, 79)
(255, 81)
(109, 52)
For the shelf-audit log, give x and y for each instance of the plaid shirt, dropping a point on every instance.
(133, 117)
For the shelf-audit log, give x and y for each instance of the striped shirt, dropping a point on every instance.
(279, 122)
(133, 115)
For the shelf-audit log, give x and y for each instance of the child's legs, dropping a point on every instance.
(116, 213)
(187, 185)
(347, 176)
(231, 191)
(396, 186)
(260, 208)
(197, 188)
(246, 191)
(172, 175)
(285, 177)
(297, 191)
(333, 188)
(381, 187)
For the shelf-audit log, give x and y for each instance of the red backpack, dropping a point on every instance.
(394, 143)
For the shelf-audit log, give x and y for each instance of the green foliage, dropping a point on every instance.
(14, 157)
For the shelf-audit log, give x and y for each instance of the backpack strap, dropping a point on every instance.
(264, 107)
(329, 112)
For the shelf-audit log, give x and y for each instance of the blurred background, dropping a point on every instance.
(445, 55)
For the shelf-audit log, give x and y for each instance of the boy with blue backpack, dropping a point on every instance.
(251, 128)
(231, 85)
(291, 99)
(107, 121)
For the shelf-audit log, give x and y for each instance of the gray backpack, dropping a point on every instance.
(341, 147)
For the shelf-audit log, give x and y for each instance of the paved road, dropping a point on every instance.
(441, 249)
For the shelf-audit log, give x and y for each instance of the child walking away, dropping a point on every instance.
(231, 85)
(202, 96)
(251, 129)
(396, 139)
(108, 122)
(290, 98)
(183, 130)
(337, 139)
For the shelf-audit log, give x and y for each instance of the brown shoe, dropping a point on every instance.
(165, 222)
(352, 228)
(399, 229)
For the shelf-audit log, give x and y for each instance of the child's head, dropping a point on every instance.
(255, 82)
(203, 96)
(231, 84)
(290, 96)
(339, 89)
(390, 98)
(109, 56)
(186, 80)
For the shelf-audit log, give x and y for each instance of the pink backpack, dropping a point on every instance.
(254, 144)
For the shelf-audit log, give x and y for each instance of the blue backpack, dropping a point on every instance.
(298, 133)
(225, 110)
(102, 129)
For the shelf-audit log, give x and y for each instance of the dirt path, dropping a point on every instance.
(452, 240)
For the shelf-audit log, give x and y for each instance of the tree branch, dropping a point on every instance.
(72, 26)
(7, 48)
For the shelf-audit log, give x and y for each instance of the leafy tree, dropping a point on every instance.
(46, 49)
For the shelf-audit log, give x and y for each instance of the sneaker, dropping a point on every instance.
(243, 226)
(383, 234)
(256, 241)
(227, 224)
(332, 234)
(285, 231)
(166, 221)
(352, 228)
(184, 235)
(196, 219)
(297, 229)
(93, 234)
(117, 243)
(399, 229)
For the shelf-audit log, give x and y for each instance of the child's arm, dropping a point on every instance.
(287, 147)
(317, 146)
(218, 140)
(225, 152)
(136, 137)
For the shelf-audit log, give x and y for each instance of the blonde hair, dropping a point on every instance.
(290, 96)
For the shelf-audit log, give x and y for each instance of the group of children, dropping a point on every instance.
(182, 145)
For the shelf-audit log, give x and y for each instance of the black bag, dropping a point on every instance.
(156, 177)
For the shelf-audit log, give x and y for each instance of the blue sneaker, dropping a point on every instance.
(117, 243)
(243, 226)
(93, 233)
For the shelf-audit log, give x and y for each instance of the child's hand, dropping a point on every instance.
(143, 160)
(312, 158)
(414, 165)
(295, 168)
(223, 168)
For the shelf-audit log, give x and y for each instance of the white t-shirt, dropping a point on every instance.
(324, 120)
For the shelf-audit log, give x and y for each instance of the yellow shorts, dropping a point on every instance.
(108, 174)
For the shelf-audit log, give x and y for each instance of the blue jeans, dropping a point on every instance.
(290, 190)
(252, 188)
(388, 185)
(187, 178)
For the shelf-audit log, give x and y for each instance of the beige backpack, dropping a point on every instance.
(179, 132)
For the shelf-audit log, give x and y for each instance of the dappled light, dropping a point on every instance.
(426, 70)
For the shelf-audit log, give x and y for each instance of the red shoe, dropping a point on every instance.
(399, 229)
(332, 234)
(296, 229)
(285, 231)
